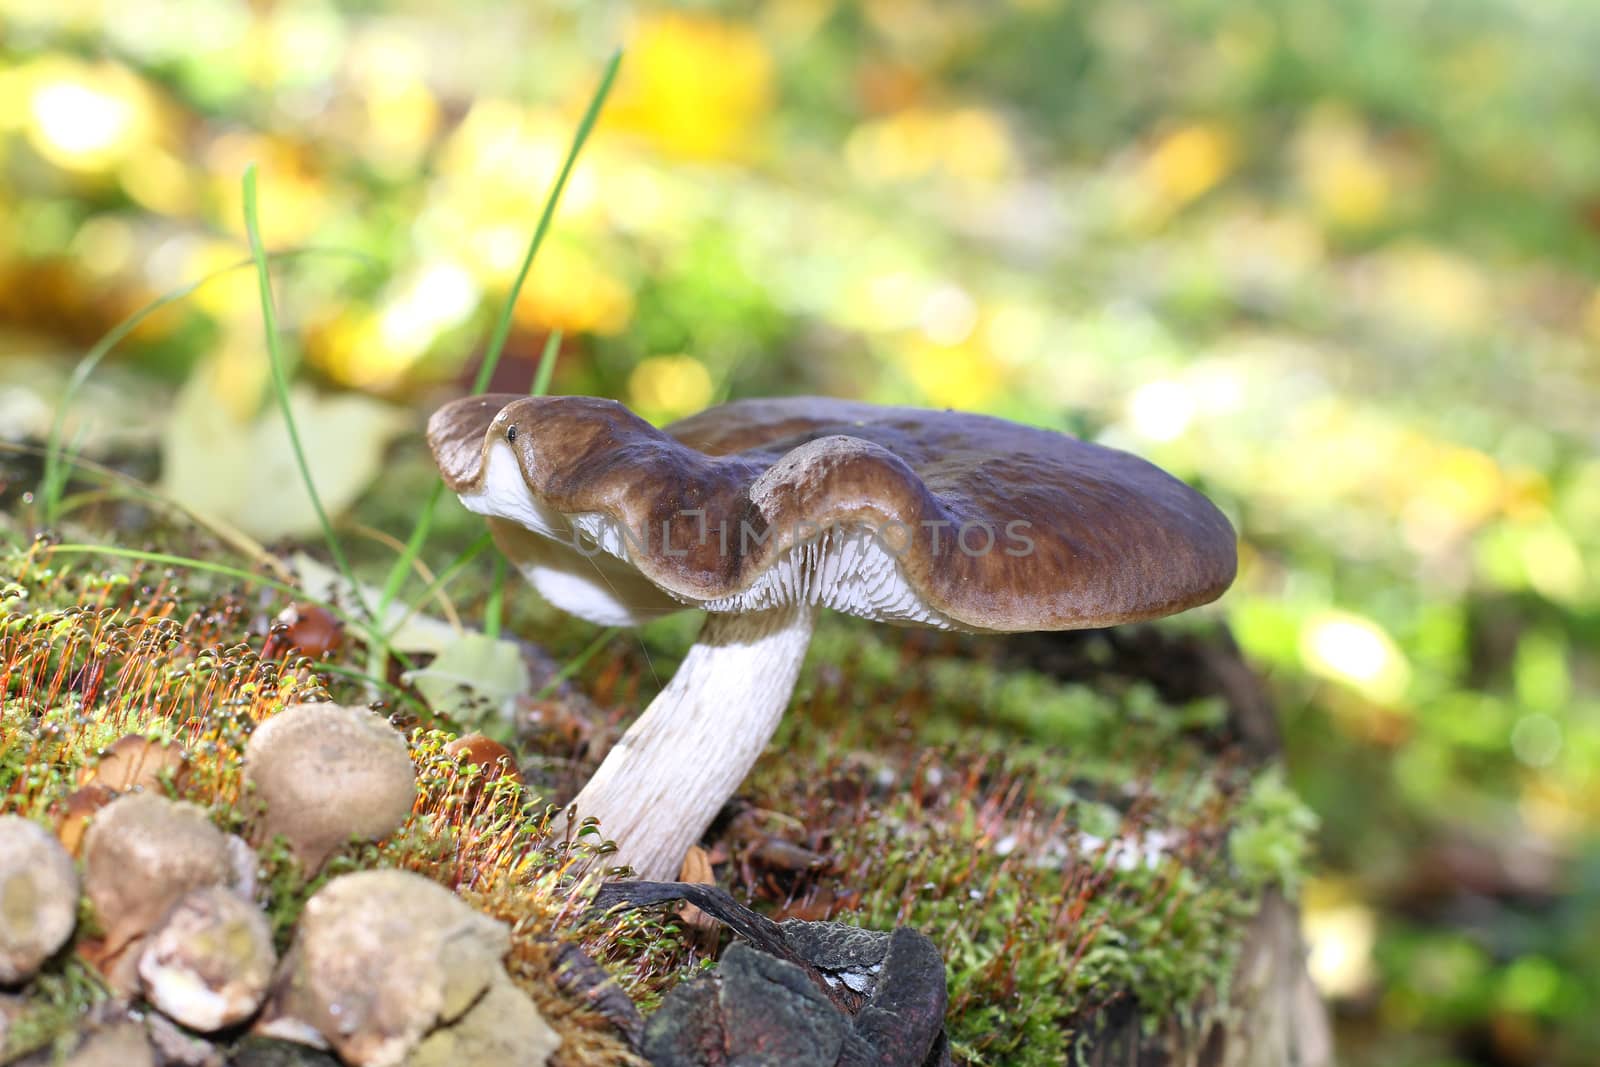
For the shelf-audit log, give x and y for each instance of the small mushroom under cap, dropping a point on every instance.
(761, 512)
(209, 963)
(326, 774)
(142, 853)
(38, 898)
(379, 959)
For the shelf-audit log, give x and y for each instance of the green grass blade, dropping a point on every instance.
(54, 478)
(575, 664)
(497, 598)
(384, 684)
(444, 577)
(547, 364)
(419, 534)
(280, 387)
(190, 563)
(502, 329)
(367, 631)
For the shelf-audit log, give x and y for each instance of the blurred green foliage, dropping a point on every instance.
(1335, 261)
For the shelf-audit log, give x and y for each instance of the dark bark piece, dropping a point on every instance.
(854, 997)
(754, 1011)
(579, 976)
(841, 961)
(718, 903)
(838, 949)
(905, 1014)
(686, 1031)
(773, 1015)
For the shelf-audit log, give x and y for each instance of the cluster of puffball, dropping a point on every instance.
(385, 968)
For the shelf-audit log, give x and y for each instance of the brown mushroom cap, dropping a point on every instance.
(38, 898)
(142, 853)
(992, 526)
(326, 774)
(379, 959)
(209, 963)
(74, 812)
(490, 760)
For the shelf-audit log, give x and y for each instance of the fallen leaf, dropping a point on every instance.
(245, 473)
(469, 670)
(697, 870)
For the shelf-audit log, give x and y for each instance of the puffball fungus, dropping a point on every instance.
(210, 961)
(38, 898)
(379, 959)
(325, 774)
(503, 1029)
(141, 853)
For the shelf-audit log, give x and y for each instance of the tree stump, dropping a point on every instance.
(1275, 1017)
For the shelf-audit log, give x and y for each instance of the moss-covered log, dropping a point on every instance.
(1274, 1017)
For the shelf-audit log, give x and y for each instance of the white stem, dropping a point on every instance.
(666, 779)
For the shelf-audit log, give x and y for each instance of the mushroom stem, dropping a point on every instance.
(665, 780)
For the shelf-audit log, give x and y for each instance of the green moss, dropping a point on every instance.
(1270, 842)
(1066, 846)
(54, 1002)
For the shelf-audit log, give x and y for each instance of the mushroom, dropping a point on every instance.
(761, 512)
(379, 959)
(492, 761)
(141, 853)
(309, 629)
(38, 898)
(209, 963)
(327, 774)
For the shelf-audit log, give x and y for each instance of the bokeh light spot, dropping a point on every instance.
(670, 386)
(1356, 651)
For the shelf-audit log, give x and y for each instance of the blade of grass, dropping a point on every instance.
(280, 387)
(367, 631)
(423, 571)
(362, 676)
(124, 486)
(445, 576)
(407, 558)
(54, 477)
(547, 364)
(497, 598)
(575, 664)
(191, 564)
(502, 329)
